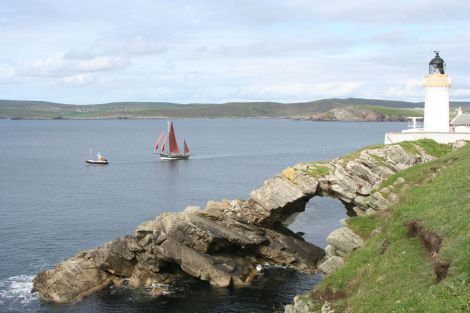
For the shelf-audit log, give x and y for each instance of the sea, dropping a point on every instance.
(53, 205)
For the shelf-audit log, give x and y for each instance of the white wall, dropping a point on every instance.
(462, 129)
(436, 109)
(438, 137)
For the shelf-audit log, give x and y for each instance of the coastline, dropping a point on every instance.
(189, 118)
(249, 228)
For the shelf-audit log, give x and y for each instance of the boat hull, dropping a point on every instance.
(96, 162)
(168, 156)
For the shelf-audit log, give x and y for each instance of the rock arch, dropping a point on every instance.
(223, 242)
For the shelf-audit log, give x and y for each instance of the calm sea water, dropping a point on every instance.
(52, 205)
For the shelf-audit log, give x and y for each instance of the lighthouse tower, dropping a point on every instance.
(436, 102)
(436, 112)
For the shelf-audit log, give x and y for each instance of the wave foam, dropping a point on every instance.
(16, 290)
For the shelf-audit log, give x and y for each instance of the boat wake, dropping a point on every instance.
(15, 293)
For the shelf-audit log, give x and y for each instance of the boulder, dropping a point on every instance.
(343, 239)
(280, 197)
(73, 279)
(331, 264)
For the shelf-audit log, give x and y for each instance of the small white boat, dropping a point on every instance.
(174, 152)
(100, 160)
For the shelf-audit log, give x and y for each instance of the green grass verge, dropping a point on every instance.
(388, 111)
(400, 277)
(428, 145)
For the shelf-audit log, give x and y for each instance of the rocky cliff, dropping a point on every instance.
(224, 242)
(364, 114)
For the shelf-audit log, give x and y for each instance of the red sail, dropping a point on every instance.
(155, 146)
(186, 148)
(164, 141)
(172, 138)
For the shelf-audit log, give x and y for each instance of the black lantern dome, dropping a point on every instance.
(437, 65)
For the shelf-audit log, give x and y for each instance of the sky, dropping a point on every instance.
(86, 52)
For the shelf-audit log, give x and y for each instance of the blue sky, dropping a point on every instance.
(87, 52)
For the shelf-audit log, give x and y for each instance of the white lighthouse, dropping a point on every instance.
(436, 101)
(436, 124)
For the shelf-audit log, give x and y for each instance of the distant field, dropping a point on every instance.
(396, 111)
(14, 109)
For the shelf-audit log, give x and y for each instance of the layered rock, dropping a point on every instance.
(341, 243)
(225, 241)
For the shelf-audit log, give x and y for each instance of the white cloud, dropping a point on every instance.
(216, 51)
(7, 74)
(102, 63)
(59, 66)
(142, 46)
(410, 89)
(79, 79)
(460, 94)
(302, 90)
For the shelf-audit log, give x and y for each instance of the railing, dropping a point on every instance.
(415, 122)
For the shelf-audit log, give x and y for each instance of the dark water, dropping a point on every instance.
(52, 205)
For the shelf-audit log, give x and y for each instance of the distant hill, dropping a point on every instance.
(382, 109)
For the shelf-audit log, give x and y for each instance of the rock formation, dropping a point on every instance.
(357, 113)
(225, 241)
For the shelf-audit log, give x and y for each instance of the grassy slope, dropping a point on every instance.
(42, 109)
(38, 109)
(402, 278)
(391, 111)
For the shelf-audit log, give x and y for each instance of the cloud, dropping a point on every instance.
(133, 48)
(411, 89)
(460, 93)
(306, 90)
(7, 74)
(59, 66)
(79, 79)
(215, 51)
(102, 63)
(141, 46)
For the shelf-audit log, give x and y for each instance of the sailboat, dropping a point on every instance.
(173, 152)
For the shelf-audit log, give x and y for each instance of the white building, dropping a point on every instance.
(436, 111)
(460, 123)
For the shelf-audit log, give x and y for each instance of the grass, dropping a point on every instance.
(355, 154)
(401, 278)
(317, 170)
(429, 146)
(363, 226)
(41, 109)
(389, 111)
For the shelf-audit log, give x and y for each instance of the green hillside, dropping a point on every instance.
(49, 110)
(418, 257)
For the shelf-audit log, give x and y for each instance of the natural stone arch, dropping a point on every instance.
(322, 215)
(223, 242)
